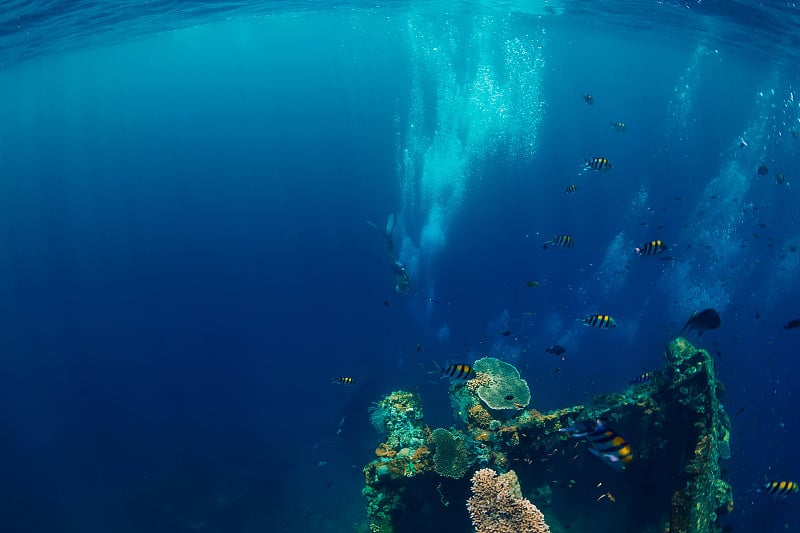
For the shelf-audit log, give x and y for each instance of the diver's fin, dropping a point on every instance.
(390, 225)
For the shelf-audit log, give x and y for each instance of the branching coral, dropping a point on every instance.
(497, 505)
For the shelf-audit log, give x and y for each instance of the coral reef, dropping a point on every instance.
(497, 505)
(450, 458)
(675, 424)
(506, 393)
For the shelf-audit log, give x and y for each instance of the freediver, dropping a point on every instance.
(402, 281)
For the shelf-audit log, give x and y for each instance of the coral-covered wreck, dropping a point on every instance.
(675, 423)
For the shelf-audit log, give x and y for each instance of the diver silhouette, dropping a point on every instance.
(401, 278)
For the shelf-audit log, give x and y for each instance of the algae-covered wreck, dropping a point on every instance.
(679, 432)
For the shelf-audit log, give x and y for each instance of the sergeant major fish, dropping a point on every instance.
(599, 321)
(457, 372)
(562, 241)
(642, 378)
(604, 442)
(619, 126)
(651, 248)
(780, 488)
(598, 163)
(343, 381)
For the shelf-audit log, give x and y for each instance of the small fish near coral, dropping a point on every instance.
(604, 442)
(457, 372)
(642, 378)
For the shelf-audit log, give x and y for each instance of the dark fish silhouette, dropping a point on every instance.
(701, 321)
(642, 378)
(792, 324)
(556, 349)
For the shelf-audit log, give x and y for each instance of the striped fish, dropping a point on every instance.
(571, 188)
(780, 488)
(619, 126)
(600, 321)
(605, 443)
(598, 163)
(562, 241)
(343, 381)
(457, 372)
(651, 248)
(642, 378)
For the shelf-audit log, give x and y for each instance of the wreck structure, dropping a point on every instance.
(419, 480)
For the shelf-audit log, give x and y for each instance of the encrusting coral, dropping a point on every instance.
(497, 505)
(451, 458)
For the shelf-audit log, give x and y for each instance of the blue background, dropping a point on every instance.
(185, 261)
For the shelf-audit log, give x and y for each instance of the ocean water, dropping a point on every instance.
(186, 259)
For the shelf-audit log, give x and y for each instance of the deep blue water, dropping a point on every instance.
(185, 259)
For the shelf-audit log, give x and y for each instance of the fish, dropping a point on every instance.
(651, 248)
(571, 188)
(600, 321)
(604, 442)
(642, 378)
(419, 347)
(434, 300)
(531, 284)
(588, 98)
(763, 170)
(780, 488)
(562, 241)
(701, 321)
(792, 324)
(506, 333)
(780, 179)
(343, 381)
(619, 126)
(598, 163)
(556, 349)
(457, 372)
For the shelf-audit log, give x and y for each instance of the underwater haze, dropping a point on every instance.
(193, 208)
